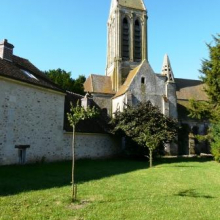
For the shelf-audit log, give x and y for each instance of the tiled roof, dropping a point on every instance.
(94, 125)
(98, 84)
(190, 89)
(23, 70)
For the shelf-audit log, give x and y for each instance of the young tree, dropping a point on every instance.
(78, 113)
(210, 110)
(146, 125)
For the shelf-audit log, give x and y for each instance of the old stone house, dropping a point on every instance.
(33, 124)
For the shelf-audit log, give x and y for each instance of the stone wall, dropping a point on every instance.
(92, 145)
(103, 101)
(34, 116)
(152, 89)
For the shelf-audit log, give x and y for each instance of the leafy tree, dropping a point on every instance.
(146, 125)
(78, 113)
(211, 71)
(210, 75)
(78, 85)
(61, 78)
(210, 110)
(64, 80)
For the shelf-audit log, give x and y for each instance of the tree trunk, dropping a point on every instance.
(74, 188)
(151, 158)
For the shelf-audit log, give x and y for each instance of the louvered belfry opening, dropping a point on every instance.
(137, 41)
(125, 39)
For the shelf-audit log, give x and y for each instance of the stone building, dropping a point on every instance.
(129, 77)
(33, 123)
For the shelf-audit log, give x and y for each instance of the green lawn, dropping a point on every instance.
(187, 189)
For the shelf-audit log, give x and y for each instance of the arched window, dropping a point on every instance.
(137, 41)
(125, 39)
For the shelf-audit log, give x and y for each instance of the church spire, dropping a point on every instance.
(167, 69)
(127, 39)
(134, 4)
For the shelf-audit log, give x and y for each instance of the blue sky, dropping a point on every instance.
(71, 34)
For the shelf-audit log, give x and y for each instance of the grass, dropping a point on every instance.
(174, 189)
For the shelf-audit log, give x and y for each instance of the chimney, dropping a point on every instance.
(6, 50)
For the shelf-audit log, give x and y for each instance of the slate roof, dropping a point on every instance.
(188, 89)
(94, 125)
(16, 70)
(98, 84)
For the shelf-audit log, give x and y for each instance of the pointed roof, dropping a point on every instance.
(136, 4)
(123, 89)
(132, 74)
(167, 69)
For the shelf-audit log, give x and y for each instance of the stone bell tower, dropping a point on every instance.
(127, 39)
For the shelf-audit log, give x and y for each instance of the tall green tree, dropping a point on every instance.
(210, 110)
(64, 80)
(146, 125)
(78, 113)
(211, 71)
(210, 75)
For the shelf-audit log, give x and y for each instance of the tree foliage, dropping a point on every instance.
(215, 143)
(211, 71)
(210, 110)
(78, 85)
(210, 75)
(64, 80)
(146, 125)
(78, 113)
(199, 109)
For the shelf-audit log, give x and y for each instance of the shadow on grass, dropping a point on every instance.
(17, 179)
(193, 194)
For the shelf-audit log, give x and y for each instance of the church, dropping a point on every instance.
(129, 77)
(33, 121)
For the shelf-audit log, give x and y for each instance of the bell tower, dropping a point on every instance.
(127, 39)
